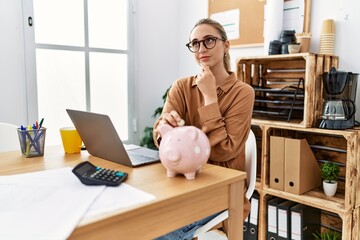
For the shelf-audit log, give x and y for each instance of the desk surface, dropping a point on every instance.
(178, 201)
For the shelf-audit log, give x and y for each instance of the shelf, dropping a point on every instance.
(340, 146)
(269, 74)
(272, 74)
(314, 198)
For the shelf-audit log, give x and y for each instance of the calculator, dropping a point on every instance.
(90, 174)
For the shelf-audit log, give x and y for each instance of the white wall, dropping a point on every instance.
(162, 30)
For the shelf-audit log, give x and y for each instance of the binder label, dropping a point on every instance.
(295, 226)
(282, 221)
(272, 219)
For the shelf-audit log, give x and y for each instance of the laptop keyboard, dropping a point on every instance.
(139, 158)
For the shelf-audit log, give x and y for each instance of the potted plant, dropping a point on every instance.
(330, 172)
(294, 47)
(328, 235)
(147, 138)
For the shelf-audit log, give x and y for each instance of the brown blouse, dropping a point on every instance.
(226, 123)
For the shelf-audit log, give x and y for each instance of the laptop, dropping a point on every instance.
(101, 140)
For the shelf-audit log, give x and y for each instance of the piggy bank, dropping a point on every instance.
(183, 150)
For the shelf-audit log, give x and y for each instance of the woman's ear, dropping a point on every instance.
(227, 45)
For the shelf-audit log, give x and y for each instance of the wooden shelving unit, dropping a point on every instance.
(345, 205)
(283, 72)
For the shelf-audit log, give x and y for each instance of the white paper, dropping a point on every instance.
(230, 20)
(254, 211)
(273, 22)
(293, 18)
(282, 223)
(295, 226)
(43, 205)
(272, 222)
(116, 198)
(50, 204)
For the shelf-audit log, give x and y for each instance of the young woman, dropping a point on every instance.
(214, 101)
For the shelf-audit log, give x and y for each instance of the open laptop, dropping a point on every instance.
(101, 140)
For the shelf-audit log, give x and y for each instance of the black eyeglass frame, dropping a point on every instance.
(204, 44)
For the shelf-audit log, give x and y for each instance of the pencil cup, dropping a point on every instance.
(32, 142)
(71, 140)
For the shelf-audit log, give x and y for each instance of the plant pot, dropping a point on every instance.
(293, 48)
(330, 188)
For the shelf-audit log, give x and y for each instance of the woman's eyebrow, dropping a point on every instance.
(206, 36)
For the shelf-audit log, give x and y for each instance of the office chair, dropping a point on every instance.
(203, 232)
(9, 139)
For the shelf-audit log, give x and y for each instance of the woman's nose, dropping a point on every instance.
(202, 47)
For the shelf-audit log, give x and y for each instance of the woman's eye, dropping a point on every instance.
(195, 44)
(209, 40)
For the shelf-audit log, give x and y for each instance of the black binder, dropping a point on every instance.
(272, 224)
(284, 218)
(305, 221)
(246, 228)
(254, 220)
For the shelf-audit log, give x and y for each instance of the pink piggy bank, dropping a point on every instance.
(183, 150)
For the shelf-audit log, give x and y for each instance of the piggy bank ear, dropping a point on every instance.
(164, 128)
(192, 133)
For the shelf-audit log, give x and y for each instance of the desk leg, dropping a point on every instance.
(236, 211)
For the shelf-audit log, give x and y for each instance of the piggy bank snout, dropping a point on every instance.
(172, 156)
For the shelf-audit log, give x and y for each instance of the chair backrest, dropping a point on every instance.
(250, 163)
(9, 139)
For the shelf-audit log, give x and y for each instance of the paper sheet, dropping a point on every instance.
(43, 205)
(294, 15)
(116, 198)
(230, 20)
(50, 204)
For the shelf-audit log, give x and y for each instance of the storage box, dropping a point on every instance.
(339, 146)
(293, 166)
(288, 87)
(277, 162)
(302, 172)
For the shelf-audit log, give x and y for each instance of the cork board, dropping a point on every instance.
(250, 26)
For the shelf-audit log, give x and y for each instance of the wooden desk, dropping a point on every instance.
(178, 201)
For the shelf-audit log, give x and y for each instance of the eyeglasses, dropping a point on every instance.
(208, 43)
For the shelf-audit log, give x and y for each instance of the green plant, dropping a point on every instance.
(328, 235)
(147, 138)
(330, 171)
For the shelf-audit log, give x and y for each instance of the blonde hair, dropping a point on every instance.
(221, 30)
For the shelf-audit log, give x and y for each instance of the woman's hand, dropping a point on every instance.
(172, 118)
(207, 85)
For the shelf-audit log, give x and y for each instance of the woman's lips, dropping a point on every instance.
(204, 58)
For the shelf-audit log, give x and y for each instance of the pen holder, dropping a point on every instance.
(32, 142)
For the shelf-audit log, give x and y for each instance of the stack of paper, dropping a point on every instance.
(50, 204)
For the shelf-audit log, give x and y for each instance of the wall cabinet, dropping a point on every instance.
(339, 146)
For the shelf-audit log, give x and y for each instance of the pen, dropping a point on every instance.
(38, 134)
(28, 141)
(41, 122)
(23, 134)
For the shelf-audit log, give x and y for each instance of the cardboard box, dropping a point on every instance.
(302, 172)
(277, 162)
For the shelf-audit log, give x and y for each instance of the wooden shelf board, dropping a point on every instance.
(314, 198)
